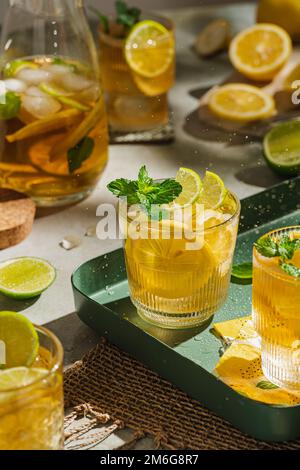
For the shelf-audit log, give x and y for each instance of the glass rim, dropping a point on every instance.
(270, 270)
(57, 363)
(120, 42)
(225, 222)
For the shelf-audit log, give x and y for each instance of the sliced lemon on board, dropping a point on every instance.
(259, 52)
(241, 102)
(20, 377)
(149, 49)
(20, 340)
(25, 278)
(191, 186)
(214, 191)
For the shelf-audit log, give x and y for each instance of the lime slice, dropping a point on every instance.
(243, 271)
(20, 340)
(282, 148)
(214, 191)
(25, 278)
(19, 377)
(191, 186)
(60, 96)
(149, 49)
(14, 67)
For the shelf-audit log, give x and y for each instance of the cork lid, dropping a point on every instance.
(17, 212)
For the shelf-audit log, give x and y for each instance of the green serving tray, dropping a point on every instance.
(187, 357)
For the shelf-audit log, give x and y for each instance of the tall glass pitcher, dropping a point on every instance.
(53, 129)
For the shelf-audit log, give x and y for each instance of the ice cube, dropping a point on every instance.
(70, 242)
(38, 104)
(17, 86)
(90, 94)
(35, 91)
(75, 82)
(56, 70)
(34, 76)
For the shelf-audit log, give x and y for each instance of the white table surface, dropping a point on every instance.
(240, 165)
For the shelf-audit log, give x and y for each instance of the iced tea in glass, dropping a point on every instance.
(276, 314)
(180, 278)
(137, 97)
(32, 407)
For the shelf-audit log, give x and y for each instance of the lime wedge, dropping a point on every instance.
(60, 96)
(282, 148)
(191, 186)
(25, 278)
(19, 377)
(214, 191)
(14, 67)
(20, 340)
(149, 49)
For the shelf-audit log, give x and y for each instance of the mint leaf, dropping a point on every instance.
(102, 18)
(286, 247)
(165, 192)
(243, 271)
(266, 385)
(267, 247)
(125, 188)
(127, 16)
(144, 180)
(290, 269)
(9, 106)
(80, 153)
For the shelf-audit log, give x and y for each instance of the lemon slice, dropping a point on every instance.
(19, 377)
(59, 94)
(20, 339)
(191, 186)
(214, 191)
(259, 52)
(241, 102)
(149, 49)
(25, 278)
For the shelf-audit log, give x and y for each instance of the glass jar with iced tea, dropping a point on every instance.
(31, 398)
(138, 69)
(276, 303)
(54, 140)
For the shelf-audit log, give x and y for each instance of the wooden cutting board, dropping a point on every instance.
(17, 213)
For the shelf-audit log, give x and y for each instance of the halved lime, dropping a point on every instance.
(19, 377)
(20, 339)
(282, 148)
(12, 68)
(149, 49)
(25, 278)
(214, 191)
(191, 186)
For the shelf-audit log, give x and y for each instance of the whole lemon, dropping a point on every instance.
(284, 13)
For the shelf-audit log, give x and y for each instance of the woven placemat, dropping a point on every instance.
(120, 391)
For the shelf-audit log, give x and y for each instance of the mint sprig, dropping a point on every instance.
(145, 190)
(127, 16)
(282, 247)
